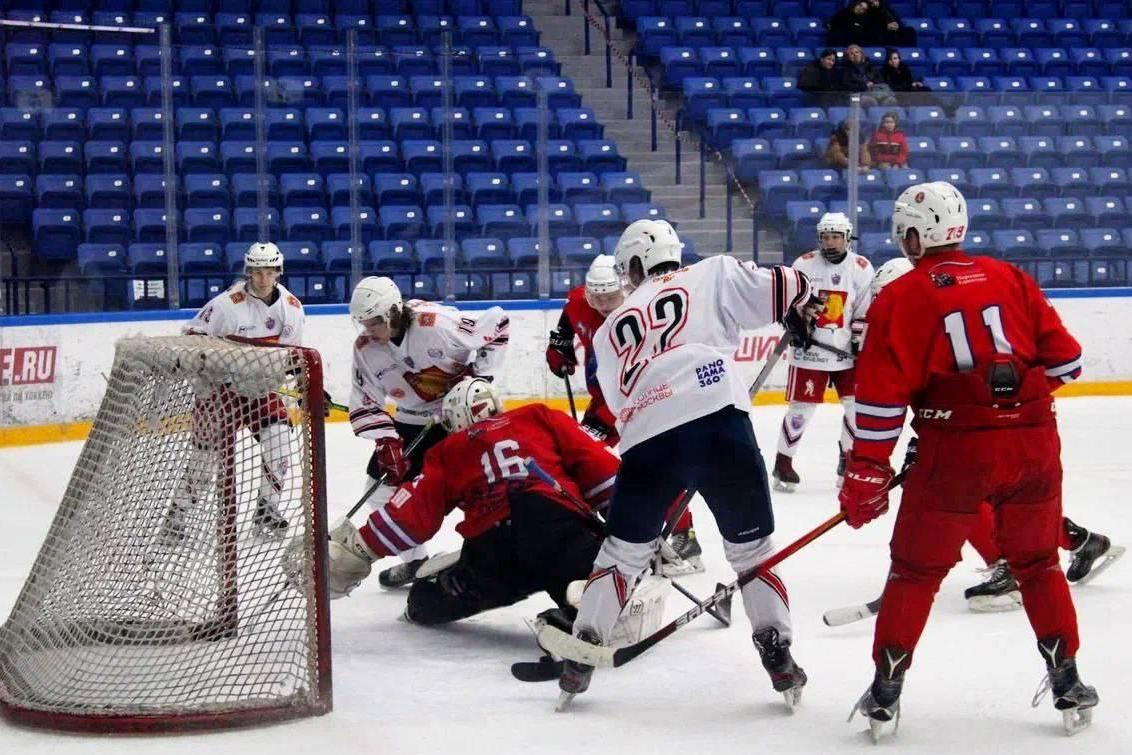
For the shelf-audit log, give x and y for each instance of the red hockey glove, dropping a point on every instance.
(560, 354)
(391, 459)
(864, 494)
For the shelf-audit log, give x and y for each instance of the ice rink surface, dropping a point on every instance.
(400, 689)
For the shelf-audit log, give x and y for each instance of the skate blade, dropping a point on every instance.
(792, 696)
(1108, 559)
(1076, 720)
(564, 699)
(1011, 601)
(693, 565)
(783, 487)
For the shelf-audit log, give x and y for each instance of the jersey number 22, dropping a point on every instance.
(656, 327)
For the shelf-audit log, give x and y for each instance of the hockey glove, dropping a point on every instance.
(391, 459)
(864, 494)
(799, 322)
(560, 354)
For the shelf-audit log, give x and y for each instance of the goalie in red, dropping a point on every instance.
(586, 308)
(520, 535)
(974, 348)
(260, 309)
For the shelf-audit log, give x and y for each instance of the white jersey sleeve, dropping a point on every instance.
(368, 417)
(666, 356)
(478, 342)
(216, 318)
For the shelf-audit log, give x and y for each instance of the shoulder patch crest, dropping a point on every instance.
(238, 296)
(426, 319)
(293, 301)
(808, 256)
(862, 262)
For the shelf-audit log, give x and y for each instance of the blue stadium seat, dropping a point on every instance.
(691, 31)
(1103, 32)
(580, 187)
(1058, 273)
(515, 285)
(1113, 150)
(306, 224)
(1068, 212)
(101, 259)
(777, 187)
(957, 32)
(634, 211)
(808, 31)
(196, 125)
(107, 226)
(598, 220)
(1111, 180)
(493, 123)
(1031, 32)
(61, 192)
(376, 155)
(389, 257)
(16, 198)
(781, 92)
(503, 221)
(235, 157)
(793, 154)
(513, 155)
(979, 243)
(702, 94)
(516, 91)
(929, 120)
(1059, 242)
(434, 185)
(878, 247)
(948, 61)
(149, 258)
(18, 125)
(1040, 152)
(196, 157)
(105, 157)
(485, 253)
(719, 62)
(206, 190)
(822, 185)
(207, 224)
(302, 190)
(992, 183)
(560, 219)
(459, 118)
(341, 225)
(1108, 272)
(1026, 213)
(600, 155)
(104, 191)
(680, 63)
(986, 213)
(524, 252)
(725, 125)
(752, 157)
(559, 91)
(803, 220)
(1105, 211)
(1078, 152)
(771, 32)
(1034, 182)
(197, 258)
(1015, 243)
(1000, 151)
(246, 223)
(461, 217)
(1099, 242)
(58, 157)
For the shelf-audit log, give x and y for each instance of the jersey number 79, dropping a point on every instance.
(638, 336)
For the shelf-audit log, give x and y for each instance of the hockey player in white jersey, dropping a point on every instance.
(842, 279)
(665, 362)
(261, 309)
(412, 352)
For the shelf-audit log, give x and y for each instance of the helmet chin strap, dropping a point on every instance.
(834, 255)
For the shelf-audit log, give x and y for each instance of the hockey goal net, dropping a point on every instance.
(159, 600)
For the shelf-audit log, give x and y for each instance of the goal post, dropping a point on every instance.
(159, 600)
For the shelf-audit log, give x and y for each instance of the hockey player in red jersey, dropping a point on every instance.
(586, 309)
(1090, 552)
(520, 535)
(972, 346)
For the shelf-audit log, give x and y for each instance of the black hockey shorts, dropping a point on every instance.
(408, 434)
(716, 455)
(542, 547)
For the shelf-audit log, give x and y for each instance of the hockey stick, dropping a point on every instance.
(295, 394)
(836, 617)
(563, 645)
(381, 480)
(570, 397)
(831, 350)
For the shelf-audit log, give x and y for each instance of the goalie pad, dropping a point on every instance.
(642, 614)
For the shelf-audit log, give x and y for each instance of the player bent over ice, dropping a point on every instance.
(665, 364)
(411, 352)
(520, 535)
(260, 309)
(974, 348)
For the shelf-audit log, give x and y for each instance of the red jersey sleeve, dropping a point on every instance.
(1058, 351)
(892, 366)
(414, 513)
(589, 463)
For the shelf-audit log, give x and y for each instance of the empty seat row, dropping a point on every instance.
(57, 232)
(790, 9)
(232, 157)
(62, 59)
(219, 91)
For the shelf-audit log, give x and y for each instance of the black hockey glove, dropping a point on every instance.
(910, 454)
(799, 322)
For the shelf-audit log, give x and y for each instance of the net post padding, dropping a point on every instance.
(129, 624)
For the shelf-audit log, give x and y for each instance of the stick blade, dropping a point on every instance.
(563, 645)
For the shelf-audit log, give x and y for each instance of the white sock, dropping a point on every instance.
(848, 423)
(764, 599)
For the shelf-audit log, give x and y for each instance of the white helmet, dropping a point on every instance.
(374, 297)
(835, 222)
(263, 254)
(469, 401)
(888, 272)
(653, 242)
(603, 285)
(936, 210)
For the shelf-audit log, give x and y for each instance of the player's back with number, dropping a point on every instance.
(953, 314)
(666, 356)
(477, 469)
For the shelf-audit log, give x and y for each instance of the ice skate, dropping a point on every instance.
(1071, 696)
(786, 676)
(1092, 557)
(576, 676)
(267, 520)
(785, 478)
(880, 705)
(400, 575)
(686, 547)
(998, 592)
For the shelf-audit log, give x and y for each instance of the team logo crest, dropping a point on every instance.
(835, 278)
(397, 393)
(832, 315)
(942, 280)
(796, 420)
(435, 353)
(270, 323)
(809, 387)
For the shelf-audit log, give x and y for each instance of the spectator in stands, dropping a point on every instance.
(898, 75)
(850, 25)
(859, 75)
(889, 146)
(837, 152)
(883, 27)
(822, 81)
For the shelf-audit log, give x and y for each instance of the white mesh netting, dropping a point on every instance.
(160, 590)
